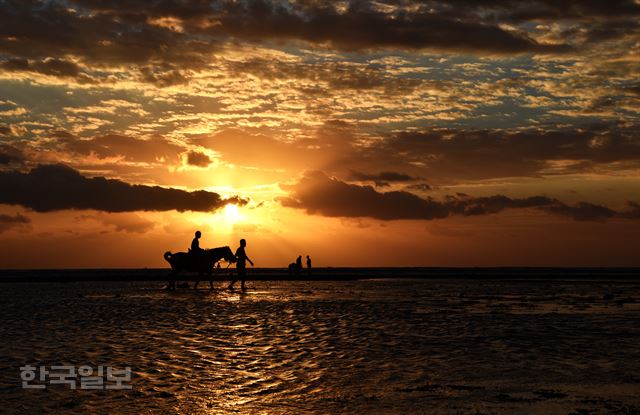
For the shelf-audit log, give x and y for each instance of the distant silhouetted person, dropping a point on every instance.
(308, 265)
(241, 264)
(296, 267)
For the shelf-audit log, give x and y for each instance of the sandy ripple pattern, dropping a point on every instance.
(383, 346)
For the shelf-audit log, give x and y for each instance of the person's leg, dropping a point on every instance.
(233, 281)
(241, 273)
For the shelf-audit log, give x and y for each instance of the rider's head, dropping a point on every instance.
(243, 242)
(198, 234)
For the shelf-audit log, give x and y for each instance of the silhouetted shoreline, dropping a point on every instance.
(330, 274)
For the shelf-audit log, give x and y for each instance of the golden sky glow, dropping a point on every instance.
(365, 133)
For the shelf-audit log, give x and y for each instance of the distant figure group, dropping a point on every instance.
(295, 268)
(205, 261)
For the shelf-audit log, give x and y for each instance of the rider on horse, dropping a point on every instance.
(196, 252)
(195, 244)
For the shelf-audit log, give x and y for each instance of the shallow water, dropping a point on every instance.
(369, 346)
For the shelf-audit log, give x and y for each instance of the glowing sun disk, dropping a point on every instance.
(232, 214)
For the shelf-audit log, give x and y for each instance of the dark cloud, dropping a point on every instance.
(8, 222)
(163, 42)
(319, 194)
(56, 187)
(460, 154)
(514, 9)
(363, 26)
(381, 179)
(47, 66)
(164, 75)
(633, 211)
(444, 155)
(196, 158)
(611, 30)
(116, 145)
(386, 176)
(551, 10)
(45, 32)
(470, 206)
(316, 193)
(10, 155)
(583, 211)
(39, 35)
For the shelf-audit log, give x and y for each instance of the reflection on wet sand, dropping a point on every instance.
(376, 346)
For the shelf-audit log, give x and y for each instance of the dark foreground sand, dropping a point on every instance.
(368, 346)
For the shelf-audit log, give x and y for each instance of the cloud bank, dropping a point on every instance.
(48, 188)
(167, 40)
(319, 194)
(9, 222)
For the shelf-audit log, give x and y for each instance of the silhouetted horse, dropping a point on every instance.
(200, 263)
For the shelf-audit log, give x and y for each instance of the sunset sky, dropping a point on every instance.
(383, 133)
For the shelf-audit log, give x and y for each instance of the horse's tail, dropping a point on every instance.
(167, 256)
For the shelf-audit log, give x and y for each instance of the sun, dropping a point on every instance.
(232, 214)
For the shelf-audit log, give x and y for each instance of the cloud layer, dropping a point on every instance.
(319, 194)
(168, 36)
(49, 188)
(8, 221)
(167, 40)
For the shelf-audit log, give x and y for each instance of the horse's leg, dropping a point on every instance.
(195, 287)
(171, 284)
(174, 281)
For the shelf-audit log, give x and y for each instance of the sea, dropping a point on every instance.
(375, 344)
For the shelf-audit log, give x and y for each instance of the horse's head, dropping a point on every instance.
(223, 252)
(228, 255)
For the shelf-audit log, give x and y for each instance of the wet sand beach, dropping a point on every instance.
(369, 346)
